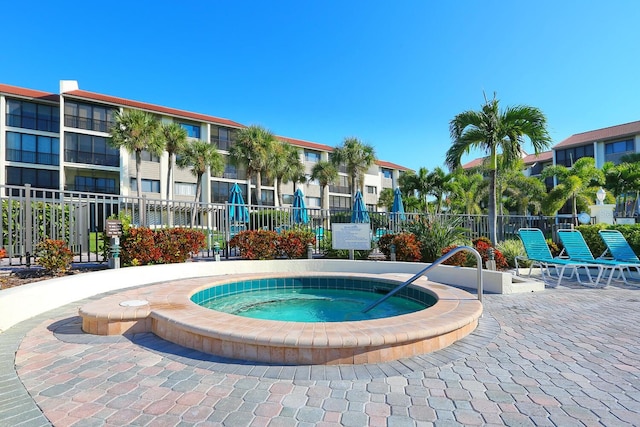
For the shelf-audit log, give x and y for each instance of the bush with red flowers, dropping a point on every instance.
(407, 246)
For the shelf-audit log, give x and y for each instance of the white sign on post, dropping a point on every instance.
(351, 236)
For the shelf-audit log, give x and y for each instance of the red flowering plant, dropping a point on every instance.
(138, 247)
(483, 246)
(54, 256)
(293, 243)
(407, 247)
(256, 244)
(178, 244)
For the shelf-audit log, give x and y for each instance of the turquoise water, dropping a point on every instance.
(311, 305)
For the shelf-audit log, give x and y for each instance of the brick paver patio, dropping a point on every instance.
(563, 357)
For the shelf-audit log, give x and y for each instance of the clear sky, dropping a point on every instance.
(392, 73)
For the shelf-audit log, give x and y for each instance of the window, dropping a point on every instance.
(184, 189)
(223, 140)
(95, 184)
(287, 199)
(148, 157)
(29, 115)
(339, 202)
(193, 131)
(220, 191)
(568, 156)
(267, 197)
(371, 189)
(619, 147)
(88, 149)
(313, 202)
(311, 156)
(342, 185)
(148, 185)
(87, 116)
(387, 173)
(43, 178)
(42, 150)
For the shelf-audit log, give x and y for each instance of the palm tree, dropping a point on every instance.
(493, 130)
(326, 174)
(251, 150)
(420, 184)
(577, 184)
(467, 191)
(175, 141)
(622, 180)
(136, 131)
(357, 158)
(200, 156)
(385, 200)
(284, 165)
(440, 184)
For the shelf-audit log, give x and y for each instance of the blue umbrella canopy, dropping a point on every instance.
(359, 213)
(300, 215)
(238, 212)
(397, 209)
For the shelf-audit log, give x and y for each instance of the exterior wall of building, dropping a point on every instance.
(86, 124)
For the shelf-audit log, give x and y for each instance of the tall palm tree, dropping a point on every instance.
(200, 156)
(326, 174)
(175, 141)
(496, 131)
(284, 165)
(357, 158)
(251, 150)
(577, 184)
(136, 131)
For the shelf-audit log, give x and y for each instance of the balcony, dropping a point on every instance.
(87, 123)
(91, 158)
(32, 157)
(221, 144)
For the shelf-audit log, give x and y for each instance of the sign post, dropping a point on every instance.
(113, 230)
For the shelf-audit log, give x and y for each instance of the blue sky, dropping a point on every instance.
(390, 73)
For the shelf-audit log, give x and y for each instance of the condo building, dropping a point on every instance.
(60, 141)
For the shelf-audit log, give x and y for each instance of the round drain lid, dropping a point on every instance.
(134, 303)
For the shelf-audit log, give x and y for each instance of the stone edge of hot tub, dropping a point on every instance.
(174, 317)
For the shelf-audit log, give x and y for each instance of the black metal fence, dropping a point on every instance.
(30, 215)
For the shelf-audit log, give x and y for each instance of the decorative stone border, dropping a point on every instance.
(171, 315)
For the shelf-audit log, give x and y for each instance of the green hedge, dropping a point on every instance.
(597, 246)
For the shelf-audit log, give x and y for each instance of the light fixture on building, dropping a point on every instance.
(600, 194)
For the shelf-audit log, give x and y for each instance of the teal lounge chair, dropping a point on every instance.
(618, 247)
(577, 250)
(538, 253)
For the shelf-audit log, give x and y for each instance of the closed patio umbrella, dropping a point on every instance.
(359, 214)
(397, 210)
(238, 212)
(300, 215)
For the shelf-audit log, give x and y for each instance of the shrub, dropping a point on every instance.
(269, 218)
(256, 244)
(54, 256)
(3, 253)
(178, 244)
(554, 248)
(512, 248)
(435, 234)
(137, 247)
(293, 243)
(466, 259)
(459, 259)
(407, 247)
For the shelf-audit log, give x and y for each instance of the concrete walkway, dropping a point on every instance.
(568, 356)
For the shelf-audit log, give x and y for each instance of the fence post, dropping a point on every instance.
(28, 227)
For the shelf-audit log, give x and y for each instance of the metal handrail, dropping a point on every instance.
(429, 267)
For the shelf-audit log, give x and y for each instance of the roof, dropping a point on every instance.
(545, 156)
(83, 94)
(529, 159)
(305, 144)
(28, 93)
(474, 163)
(390, 165)
(618, 131)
